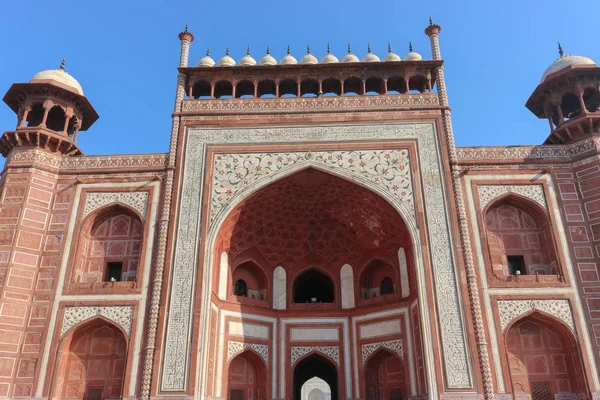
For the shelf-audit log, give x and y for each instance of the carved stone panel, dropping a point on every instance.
(393, 345)
(331, 352)
(510, 310)
(234, 348)
(488, 193)
(136, 200)
(120, 315)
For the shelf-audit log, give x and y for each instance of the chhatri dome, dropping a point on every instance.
(565, 61)
(309, 58)
(350, 57)
(226, 61)
(391, 56)
(268, 58)
(206, 61)
(370, 57)
(329, 58)
(288, 58)
(412, 55)
(247, 59)
(59, 76)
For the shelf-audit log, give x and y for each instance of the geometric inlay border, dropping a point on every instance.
(510, 310)
(136, 200)
(393, 345)
(487, 193)
(120, 315)
(234, 348)
(331, 352)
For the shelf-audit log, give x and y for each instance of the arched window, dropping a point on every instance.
(591, 99)
(244, 89)
(396, 85)
(309, 88)
(35, 115)
(417, 84)
(570, 106)
(332, 86)
(201, 90)
(56, 119)
(267, 89)
(353, 86)
(313, 287)
(240, 289)
(288, 88)
(387, 286)
(519, 238)
(223, 90)
(375, 85)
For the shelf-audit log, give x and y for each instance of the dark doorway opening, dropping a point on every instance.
(315, 366)
(313, 287)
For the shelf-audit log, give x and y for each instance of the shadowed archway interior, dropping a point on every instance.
(315, 366)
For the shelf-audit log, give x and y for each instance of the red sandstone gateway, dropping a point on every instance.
(313, 233)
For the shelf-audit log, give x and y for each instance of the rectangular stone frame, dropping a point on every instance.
(455, 348)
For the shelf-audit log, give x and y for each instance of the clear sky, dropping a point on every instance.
(125, 53)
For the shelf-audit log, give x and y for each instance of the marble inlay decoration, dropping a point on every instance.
(510, 310)
(393, 345)
(135, 200)
(332, 352)
(235, 348)
(488, 193)
(120, 315)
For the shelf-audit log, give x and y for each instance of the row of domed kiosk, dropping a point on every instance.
(307, 59)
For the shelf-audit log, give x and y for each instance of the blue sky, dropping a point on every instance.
(125, 53)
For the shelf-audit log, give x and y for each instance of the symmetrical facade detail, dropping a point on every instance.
(332, 352)
(120, 315)
(136, 200)
(509, 310)
(488, 193)
(393, 345)
(313, 232)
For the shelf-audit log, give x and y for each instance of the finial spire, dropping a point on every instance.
(328, 48)
(430, 21)
(349, 49)
(227, 51)
(560, 50)
(248, 51)
(410, 47)
(208, 51)
(288, 51)
(186, 28)
(368, 47)
(308, 49)
(62, 64)
(268, 50)
(389, 48)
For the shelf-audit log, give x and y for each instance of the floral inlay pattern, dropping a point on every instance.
(136, 200)
(487, 193)
(389, 169)
(121, 315)
(509, 310)
(332, 352)
(234, 348)
(393, 345)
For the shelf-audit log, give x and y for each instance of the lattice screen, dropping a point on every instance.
(94, 393)
(540, 390)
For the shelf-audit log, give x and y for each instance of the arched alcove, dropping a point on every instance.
(378, 278)
(249, 281)
(56, 119)
(417, 84)
(374, 85)
(313, 286)
(35, 115)
(315, 366)
(543, 357)
(309, 88)
(247, 377)
(384, 377)
(288, 88)
(109, 247)
(201, 90)
(91, 362)
(223, 90)
(353, 86)
(519, 238)
(570, 106)
(591, 99)
(332, 86)
(244, 89)
(266, 88)
(396, 85)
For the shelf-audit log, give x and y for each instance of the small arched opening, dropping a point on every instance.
(520, 239)
(543, 358)
(396, 85)
(315, 366)
(266, 89)
(244, 89)
(353, 86)
(109, 248)
(374, 85)
(247, 379)
(249, 281)
(56, 119)
(223, 90)
(313, 286)
(417, 84)
(309, 88)
(201, 90)
(570, 106)
(591, 99)
(332, 87)
(384, 377)
(35, 115)
(288, 88)
(91, 362)
(377, 279)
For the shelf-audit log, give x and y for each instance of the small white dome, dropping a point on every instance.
(268, 58)
(391, 56)
(309, 58)
(226, 61)
(288, 58)
(565, 61)
(350, 57)
(412, 56)
(370, 57)
(329, 58)
(206, 61)
(247, 60)
(60, 76)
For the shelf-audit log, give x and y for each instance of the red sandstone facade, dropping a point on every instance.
(313, 233)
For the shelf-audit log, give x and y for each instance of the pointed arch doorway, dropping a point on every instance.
(306, 387)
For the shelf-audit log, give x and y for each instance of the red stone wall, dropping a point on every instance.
(247, 375)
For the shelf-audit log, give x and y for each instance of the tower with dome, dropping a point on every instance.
(312, 233)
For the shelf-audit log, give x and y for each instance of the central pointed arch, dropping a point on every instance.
(315, 366)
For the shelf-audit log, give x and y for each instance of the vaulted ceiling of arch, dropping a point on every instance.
(313, 217)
